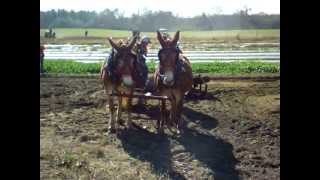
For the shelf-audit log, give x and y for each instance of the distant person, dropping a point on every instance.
(142, 51)
(47, 34)
(41, 58)
(86, 33)
(136, 33)
(166, 36)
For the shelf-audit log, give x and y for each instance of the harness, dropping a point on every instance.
(111, 65)
(178, 64)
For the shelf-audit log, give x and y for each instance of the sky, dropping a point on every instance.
(182, 8)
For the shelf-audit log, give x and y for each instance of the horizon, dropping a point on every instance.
(191, 8)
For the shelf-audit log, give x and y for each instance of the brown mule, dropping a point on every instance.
(125, 83)
(173, 77)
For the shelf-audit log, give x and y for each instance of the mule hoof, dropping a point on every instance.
(112, 130)
(179, 132)
(130, 126)
(160, 131)
(121, 122)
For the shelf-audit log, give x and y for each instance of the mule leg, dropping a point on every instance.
(173, 111)
(41, 65)
(129, 123)
(120, 121)
(162, 117)
(206, 89)
(119, 110)
(179, 113)
(112, 120)
(179, 104)
(110, 105)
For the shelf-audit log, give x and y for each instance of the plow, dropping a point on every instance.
(139, 94)
(199, 89)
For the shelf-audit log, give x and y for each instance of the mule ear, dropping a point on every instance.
(114, 45)
(160, 39)
(176, 38)
(133, 42)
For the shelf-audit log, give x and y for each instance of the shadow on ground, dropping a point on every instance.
(194, 95)
(150, 147)
(151, 111)
(205, 121)
(214, 154)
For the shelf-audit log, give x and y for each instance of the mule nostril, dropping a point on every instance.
(127, 81)
(167, 81)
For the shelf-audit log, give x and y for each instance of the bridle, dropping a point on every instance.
(160, 72)
(118, 71)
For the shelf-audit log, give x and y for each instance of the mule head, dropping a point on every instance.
(124, 61)
(168, 57)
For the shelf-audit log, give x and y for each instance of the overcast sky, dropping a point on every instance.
(185, 8)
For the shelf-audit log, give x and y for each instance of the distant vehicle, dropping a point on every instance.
(136, 33)
(49, 34)
(163, 30)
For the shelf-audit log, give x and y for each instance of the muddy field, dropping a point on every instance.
(232, 133)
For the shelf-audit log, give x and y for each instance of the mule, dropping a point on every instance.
(125, 82)
(173, 77)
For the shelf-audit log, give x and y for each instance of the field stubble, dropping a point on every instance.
(232, 133)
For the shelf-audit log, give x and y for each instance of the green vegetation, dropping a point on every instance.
(152, 20)
(236, 67)
(71, 67)
(246, 67)
(99, 36)
(79, 32)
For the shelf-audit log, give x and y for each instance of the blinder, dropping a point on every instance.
(178, 63)
(114, 62)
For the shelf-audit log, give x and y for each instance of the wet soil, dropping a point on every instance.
(231, 133)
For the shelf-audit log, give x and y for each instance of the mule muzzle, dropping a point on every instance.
(167, 79)
(127, 81)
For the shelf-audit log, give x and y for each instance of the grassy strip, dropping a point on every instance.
(76, 35)
(93, 32)
(72, 67)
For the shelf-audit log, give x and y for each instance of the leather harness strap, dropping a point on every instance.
(178, 64)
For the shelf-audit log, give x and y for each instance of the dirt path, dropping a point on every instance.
(233, 133)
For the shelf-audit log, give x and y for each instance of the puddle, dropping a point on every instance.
(98, 53)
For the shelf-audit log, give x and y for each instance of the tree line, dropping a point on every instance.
(150, 21)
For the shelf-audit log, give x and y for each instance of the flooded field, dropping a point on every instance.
(269, 52)
(232, 133)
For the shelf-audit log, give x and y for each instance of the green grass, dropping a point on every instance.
(72, 67)
(103, 33)
(264, 33)
(98, 36)
(76, 32)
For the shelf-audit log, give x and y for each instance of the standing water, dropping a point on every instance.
(98, 53)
